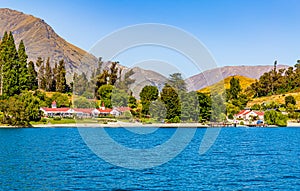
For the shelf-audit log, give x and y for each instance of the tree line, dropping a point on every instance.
(20, 81)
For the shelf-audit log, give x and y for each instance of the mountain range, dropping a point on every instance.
(41, 41)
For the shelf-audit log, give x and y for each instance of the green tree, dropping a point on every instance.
(158, 110)
(19, 110)
(119, 98)
(41, 74)
(273, 117)
(148, 94)
(82, 102)
(235, 88)
(61, 83)
(105, 94)
(48, 76)
(204, 107)
(290, 100)
(218, 108)
(189, 106)
(32, 81)
(132, 102)
(10, 66)
(172, 102)
(61, 99)
(113, 76)
(23, 70)
(176, 81)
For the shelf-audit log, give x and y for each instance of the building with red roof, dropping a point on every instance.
(250, 114)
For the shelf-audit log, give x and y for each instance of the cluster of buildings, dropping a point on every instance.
(82, 112)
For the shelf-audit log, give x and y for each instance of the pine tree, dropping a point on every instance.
(61, 83)
(10, 67)
(42, 79)
(48, 76)
(113, 76)
(32, 82)
(23, 72)
(2, 46)
(54, 77)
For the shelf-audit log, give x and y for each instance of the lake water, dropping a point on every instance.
(240, 159)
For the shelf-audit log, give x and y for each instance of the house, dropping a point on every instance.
(117, 111)
(57, 112)
(84, 112)
(250, 115)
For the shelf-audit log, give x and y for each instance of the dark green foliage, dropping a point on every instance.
(189, 106)
(119, 98)
(23, 74)
(48, 76)
(148, 94)
(204, 106)
(126, 82)
(82, 102)
(235, 88)
(132, 102)
(19, 110)
(62, 100)
(80, 84)
(41, 73)
(273, 117)
(289, 100)
(218, 108)
(32, 82)
(176, 81)
(172, 102)
(278, 82)
(61, 83)
(113, 76)
(10, 67)
(104, 93)
(158, 110)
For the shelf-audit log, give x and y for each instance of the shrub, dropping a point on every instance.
(57, 118)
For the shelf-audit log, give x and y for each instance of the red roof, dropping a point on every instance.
(242, 112)
(83, 110)
(106, 110)
(259, 112)
(123, 109)
(65, 109)
(245, 112)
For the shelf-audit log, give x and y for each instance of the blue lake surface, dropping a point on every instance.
(240, 159)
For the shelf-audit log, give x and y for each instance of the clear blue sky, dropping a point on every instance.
(237, 32)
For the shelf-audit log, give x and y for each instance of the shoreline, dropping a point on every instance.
(138, 125)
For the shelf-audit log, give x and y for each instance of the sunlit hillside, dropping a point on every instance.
(225, 84)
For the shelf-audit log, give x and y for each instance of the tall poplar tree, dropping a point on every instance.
(23, 70)
(9, 57)
(61, 83)
(48, 76)
(32, 82)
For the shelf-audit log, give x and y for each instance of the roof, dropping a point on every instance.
(123, 109)
(84, 110)
(106, 110)
(245, 112)
(64, 109)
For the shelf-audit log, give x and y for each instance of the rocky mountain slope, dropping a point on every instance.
(41, 40)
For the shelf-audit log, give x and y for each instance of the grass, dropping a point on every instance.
(225, 84)
(276, 98)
